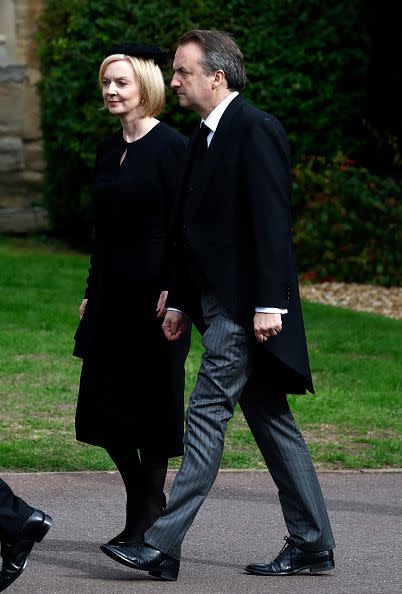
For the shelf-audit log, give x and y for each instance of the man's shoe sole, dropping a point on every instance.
(165, 576)
(168, 574)
(316, 568)
(119, 558)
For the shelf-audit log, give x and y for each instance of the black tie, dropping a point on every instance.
(200, 147)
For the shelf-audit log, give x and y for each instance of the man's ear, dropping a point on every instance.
(219, 79)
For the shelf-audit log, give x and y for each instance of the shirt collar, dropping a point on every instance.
(212, 120)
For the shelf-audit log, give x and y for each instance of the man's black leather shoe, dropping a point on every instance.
(142, 556)
(15, 554)
(292, 560)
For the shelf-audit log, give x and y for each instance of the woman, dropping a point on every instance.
(130, 399)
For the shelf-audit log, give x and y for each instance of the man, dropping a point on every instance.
(237, 275)
(21, 526)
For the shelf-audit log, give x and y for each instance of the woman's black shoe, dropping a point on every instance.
(121, 538)
(124, 536)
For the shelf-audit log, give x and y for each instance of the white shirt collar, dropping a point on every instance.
(212, 120)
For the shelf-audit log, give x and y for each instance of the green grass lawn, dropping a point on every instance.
(354, 420)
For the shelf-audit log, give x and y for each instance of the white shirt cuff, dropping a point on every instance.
(270, 310)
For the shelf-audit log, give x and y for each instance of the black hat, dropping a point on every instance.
(138, 50)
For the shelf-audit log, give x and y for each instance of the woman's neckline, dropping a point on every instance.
(129, 142)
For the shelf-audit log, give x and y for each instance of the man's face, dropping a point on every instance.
(192, 85)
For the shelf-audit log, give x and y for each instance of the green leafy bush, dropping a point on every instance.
(307, 62)
(348, 222)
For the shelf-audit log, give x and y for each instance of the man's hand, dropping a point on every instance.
(267, 325)
(82, 307)
(174, 325)
(161, 305)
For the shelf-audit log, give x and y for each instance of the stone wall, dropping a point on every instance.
(21, 163)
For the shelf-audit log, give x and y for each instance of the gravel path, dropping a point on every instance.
(379, 300)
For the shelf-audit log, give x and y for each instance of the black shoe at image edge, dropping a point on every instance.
(15, 554)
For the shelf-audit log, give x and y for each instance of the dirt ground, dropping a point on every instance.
(379, 300)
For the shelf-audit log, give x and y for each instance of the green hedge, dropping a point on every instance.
(307, 62)
(347, 222)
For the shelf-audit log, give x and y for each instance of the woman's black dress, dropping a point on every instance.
(132, 379)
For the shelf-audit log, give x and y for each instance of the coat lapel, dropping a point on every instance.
(214, 155)
(215, 151)
(219, 141)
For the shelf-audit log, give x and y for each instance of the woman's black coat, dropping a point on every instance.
(132, 380)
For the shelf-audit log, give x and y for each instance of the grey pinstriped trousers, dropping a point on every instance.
(221, 383)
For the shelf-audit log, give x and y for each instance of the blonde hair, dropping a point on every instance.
(149, 75)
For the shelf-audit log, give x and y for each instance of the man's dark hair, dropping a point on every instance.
(220, 52)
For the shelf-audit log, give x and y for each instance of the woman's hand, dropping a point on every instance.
(174, 325)
(161, 305)
(82, 307)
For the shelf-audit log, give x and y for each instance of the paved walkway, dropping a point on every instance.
(239, 523)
